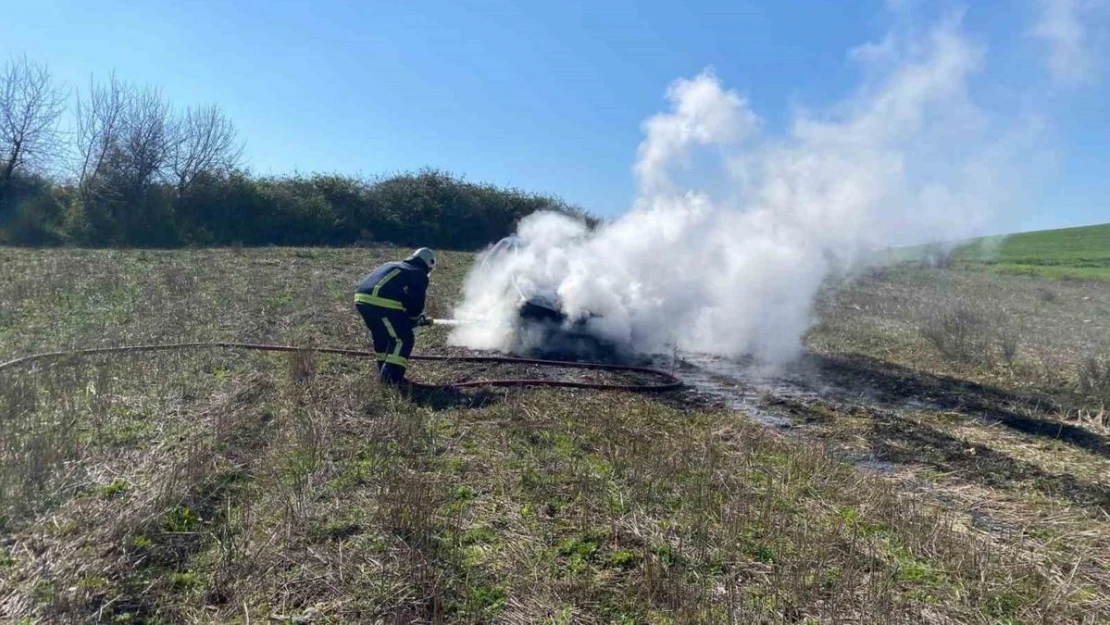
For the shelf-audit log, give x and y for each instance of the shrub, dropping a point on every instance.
(964, 334)
(31, 212)
(430, 208)
(959, 333)
(1094, 380)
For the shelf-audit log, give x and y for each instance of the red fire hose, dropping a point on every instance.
(670, 381)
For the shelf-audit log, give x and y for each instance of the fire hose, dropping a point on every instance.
(670, 381)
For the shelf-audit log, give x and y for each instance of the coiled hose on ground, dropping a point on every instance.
(670, 381)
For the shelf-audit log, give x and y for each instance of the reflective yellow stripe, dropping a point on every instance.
(381, 302)
(374, 299)
(389, 328)
(389, 276)
(400, 361)
(395, 358)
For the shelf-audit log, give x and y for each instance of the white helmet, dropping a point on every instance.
(426, 256)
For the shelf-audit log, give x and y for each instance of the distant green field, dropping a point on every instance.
(1080, 253)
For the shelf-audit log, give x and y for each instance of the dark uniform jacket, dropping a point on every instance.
(395, 286)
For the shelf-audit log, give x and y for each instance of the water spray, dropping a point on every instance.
(451, 323)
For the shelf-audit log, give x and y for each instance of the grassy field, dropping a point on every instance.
(954, 468)
(1082, 253)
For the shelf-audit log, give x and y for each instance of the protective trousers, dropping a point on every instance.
(393, 340)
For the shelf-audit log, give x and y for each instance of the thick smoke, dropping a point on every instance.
(908, 158)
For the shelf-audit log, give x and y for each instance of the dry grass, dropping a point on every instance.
(970, 334)
(1017, 445)
(290, 497)
(959, 333)
(1094, 383)
(207, 487)
(1019, 332)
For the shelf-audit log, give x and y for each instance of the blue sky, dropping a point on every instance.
(548, 96)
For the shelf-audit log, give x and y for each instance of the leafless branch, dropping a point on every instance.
(124, 133)
(147, 136)
(205, 141)
(100, 121)
(30, 105)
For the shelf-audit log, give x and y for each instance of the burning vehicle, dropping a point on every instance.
(541, 327)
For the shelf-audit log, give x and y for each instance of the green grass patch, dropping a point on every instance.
(1078, 253)
(116, 488)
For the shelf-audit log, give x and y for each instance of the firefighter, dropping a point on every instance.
(391, 302)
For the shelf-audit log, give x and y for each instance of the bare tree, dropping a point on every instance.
(100, 126)
(124, 139)
(205, 140)
(146, 137)
(30, 105)
(124, 133)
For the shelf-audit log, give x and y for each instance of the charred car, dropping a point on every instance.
(542, 328)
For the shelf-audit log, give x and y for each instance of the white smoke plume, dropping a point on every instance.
(907, 158)
(1075, 33)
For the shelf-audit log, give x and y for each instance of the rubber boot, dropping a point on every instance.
(392, 375)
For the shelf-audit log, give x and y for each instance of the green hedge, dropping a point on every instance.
(429, 207)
